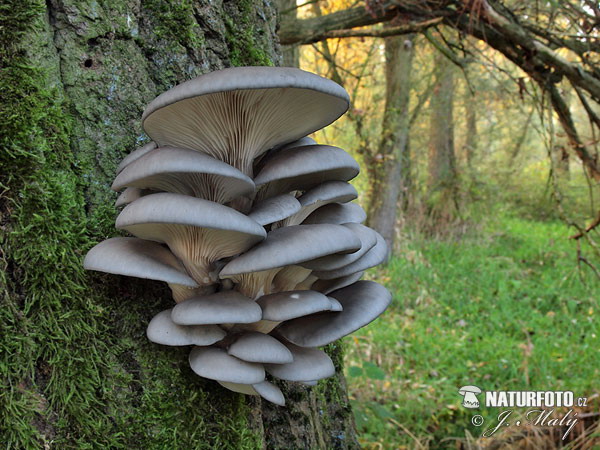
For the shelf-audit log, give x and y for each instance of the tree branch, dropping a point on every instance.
(377, 33)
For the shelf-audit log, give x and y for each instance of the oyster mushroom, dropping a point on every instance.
(258, 347)
(214, 363)
(302, 168)
(274, 209)
(237, 114)
(323, 194)
(142, 259)
(162, 330)
(255, 270)
(362, 303)
(197, 231)
(337, 213)
(220, 308)
(185, 171)
(266, 390)
(308, 364)
(375, 256)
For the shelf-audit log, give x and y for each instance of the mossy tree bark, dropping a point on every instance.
(76, 368)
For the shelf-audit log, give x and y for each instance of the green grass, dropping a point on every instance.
(504, 309)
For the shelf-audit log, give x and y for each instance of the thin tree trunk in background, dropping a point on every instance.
(392, 159)
(471, 138)
(288, 12)
(442, 175)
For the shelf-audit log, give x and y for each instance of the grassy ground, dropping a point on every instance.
(503, 309)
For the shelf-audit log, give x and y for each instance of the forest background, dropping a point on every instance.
(487, 201)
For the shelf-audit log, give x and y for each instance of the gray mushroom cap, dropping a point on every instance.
(215, 364)
(236, 114)
(291, 304)
(137, 258)
(259, 347)
(185, 171)
(220, 308)
(308, 364)
(373, 257)
(197, 231)
(274, 209)
(363, 302)
(368, 239)
(338, 213)
(138, 153)
(301, 168)
(291, 245)
(270, 392)
(266, 390)
(299, 143)
(162, 330)
(329, 191)
(327, 286)
(335, 305)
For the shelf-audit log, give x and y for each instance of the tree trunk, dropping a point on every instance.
(442, 177)
(392, 161)
(77, 369)
(471, 133)
(288, 12)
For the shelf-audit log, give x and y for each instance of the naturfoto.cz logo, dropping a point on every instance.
(541, 405)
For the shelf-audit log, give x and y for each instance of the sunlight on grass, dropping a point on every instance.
(504, 309)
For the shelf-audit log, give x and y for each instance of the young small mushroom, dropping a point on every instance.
(337, 213)
(308, 364)
(292, 304)
(220, 308)
(273, 209)
(129, 195)
(214, 363)
(162, 330)
(328, 286)
(253, 346)
(266, 390)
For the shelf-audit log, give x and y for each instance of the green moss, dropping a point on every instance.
(176, 22)
(244, 50)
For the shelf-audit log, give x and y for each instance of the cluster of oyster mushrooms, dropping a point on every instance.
(251, 224)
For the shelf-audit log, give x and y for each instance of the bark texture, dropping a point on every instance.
(392, 160)
(76, 368)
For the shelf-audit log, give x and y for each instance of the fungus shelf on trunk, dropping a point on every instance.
(263, 269)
